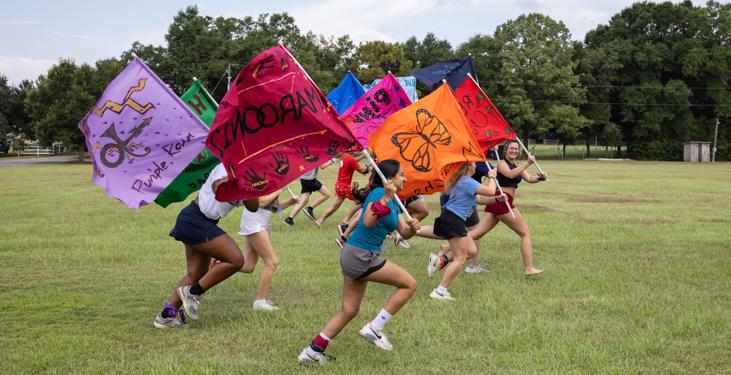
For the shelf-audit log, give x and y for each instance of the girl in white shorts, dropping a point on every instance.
(255, 226)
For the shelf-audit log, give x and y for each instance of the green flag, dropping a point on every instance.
(195, 174)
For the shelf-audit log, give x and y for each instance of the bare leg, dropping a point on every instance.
(351, 213)
(353, 224)
(304, 198)
(392, 274)
(263, 247)
(225, 249)
(418, 210)
(197, 265)
(329, 211)
(325, 195)
(519, 226)
(462, 248)
(353, 291)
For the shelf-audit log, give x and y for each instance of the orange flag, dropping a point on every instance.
(430, 138)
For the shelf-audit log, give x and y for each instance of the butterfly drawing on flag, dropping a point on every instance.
(419, 146)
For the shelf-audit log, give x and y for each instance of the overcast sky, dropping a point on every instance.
(34, 34)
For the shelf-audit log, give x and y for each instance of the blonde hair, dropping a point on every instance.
(459, 173)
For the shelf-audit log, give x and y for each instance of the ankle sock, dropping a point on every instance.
(197, 289)
(381, 319)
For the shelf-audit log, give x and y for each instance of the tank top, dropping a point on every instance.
(509, 182)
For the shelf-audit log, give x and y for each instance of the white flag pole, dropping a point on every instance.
(290, 192)
(501, 189)
(526, 151)
(383, 179)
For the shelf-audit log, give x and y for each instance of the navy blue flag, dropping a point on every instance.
(454, 71)
(347, 92)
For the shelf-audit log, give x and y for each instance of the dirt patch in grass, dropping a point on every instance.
(536, 208)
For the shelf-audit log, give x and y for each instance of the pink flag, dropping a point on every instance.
(368, 113)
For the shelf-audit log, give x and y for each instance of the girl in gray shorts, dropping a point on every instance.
(360, 262)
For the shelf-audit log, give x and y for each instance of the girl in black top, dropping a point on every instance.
(510, 174)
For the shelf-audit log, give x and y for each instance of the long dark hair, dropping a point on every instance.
(388, 167)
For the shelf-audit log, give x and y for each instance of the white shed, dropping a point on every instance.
(697, 152)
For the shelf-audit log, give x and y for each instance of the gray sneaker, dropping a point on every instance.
(164, 323)
(318, 359)
(190, 301)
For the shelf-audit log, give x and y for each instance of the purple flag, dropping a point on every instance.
(368, 113)
(140, 136)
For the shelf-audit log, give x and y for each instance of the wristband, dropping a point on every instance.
(379, 209)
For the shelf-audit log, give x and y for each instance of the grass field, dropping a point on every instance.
(638, 280)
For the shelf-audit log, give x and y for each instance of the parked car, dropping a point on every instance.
(4, 147)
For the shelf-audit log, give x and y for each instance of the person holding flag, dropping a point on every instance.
(510, 174)
(197, 228)
(310, 184)
(255, 227)
(361, 263)
(462, 191)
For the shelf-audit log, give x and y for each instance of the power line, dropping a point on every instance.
(601, 86)
(615, 103)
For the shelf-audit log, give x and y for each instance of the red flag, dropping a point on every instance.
(274, 125)
(486, 122)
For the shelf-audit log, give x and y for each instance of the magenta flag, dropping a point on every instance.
(140, 136)
(368, 113)
(273, 126)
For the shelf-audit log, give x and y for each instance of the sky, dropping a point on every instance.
(35, 34)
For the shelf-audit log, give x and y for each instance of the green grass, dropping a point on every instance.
(637, 259)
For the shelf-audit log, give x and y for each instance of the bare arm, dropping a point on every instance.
(408, 229)
(505, 170)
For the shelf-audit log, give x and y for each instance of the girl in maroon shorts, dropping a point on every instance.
(509, 176)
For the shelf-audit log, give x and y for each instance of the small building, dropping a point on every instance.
(697, 152)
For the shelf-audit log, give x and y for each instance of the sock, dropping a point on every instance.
(318, 344)
(381, 319)
(197, 289)
(443, 261)
(441, 289)
(169, 311)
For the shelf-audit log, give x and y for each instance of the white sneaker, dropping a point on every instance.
(377, 338)
(171, 322)
(441, 296)
(400, 241)
(318, 358)
(264, 305)
(190, 301)
(431, 267)
(476, 269)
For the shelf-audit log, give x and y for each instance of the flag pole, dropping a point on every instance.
(503, 118)
(290, 191)
(500, 189)
(527, 152)
(206, 91)
(383, 179)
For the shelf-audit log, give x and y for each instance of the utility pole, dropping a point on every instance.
(715, 138)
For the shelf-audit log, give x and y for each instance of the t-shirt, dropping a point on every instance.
(311, 175)
(462, 197)
(372, 238)
(207, 202)
(348, 165)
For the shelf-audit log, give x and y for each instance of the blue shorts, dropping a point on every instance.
(193, 227)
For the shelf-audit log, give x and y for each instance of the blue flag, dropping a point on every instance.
(347, 92)
(408, 83)
(454, 71)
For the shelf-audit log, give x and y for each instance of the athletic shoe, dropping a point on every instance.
(170, 322)
(476, 269)
(441, 296)
(377, 338)
(181, 317)
(264, 305)
(289, 221)
(318, 359)
(433, 265)
(340, 241)
(190, 301)
(310, 212)
(342, 228)
(400, 241)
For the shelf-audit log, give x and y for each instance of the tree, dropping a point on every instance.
(376, 58)
(427, 52)
(528, 69)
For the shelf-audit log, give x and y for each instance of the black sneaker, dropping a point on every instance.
(342, 228)
(310, 213)
(289, 221)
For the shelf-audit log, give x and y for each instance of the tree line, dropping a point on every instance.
(655, 76)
